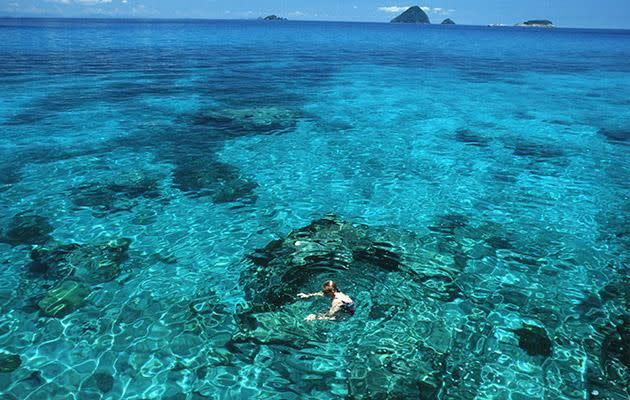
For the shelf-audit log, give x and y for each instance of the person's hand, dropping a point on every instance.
(302, 295)
(311, 317)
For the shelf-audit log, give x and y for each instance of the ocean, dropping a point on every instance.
(168, 187)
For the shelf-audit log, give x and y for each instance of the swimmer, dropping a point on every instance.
(340, 302)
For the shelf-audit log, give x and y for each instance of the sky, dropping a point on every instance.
(565, 13)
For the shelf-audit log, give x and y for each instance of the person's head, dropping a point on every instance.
(329, 288)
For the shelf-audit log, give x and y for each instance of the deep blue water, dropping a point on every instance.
(478, 179)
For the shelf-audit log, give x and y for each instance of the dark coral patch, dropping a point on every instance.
(379, 254)
(617, 136)
(245, 121)
(9, 174)
(329, 247)
(499, 243)
(27, 229)
(507, 177)
(447, 224)
(68, 271)
(512, 296)
(616, 345)
(534, 340)
(524, 115)
(64, 299)
(9, 362)
(118, 194)
(99, 197)
(482, 75)
(207, 177)
(536, 151)
(471, 138)
(383, 311)
(93, 263)
(104, 381)
(615, 289)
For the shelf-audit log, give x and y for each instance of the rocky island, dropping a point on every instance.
(448, 21)
(539, 23)
(273, 17)
(413, 15)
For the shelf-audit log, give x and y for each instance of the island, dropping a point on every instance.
(448, 21)
(273, 17)
(539, 23)
(413, 15)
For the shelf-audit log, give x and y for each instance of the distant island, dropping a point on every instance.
(273, 17)
(413, 15)
(540, 23)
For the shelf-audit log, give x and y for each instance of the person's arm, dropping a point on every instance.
(307, 295)
(334, 308)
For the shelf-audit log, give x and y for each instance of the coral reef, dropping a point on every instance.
(9, 362)
(247, 121)
(121, 193)
(72, 269)
(222, 182)
(27, 228)
(63, 299)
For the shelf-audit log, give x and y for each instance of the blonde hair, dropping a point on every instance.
(329, 287)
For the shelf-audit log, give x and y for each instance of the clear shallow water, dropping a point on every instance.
(478, 175)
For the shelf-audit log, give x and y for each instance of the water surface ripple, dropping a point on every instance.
(167, 187)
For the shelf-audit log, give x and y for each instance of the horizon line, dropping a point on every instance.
(294, 20)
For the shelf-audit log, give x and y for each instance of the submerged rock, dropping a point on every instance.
(27, 229)
(616, 136)
(247, 121)
(608, 360)
(325, 248)
(104, 381)
(136, 184)
(145, 217)
(499, 243)
(9, 362)
(616, 347)
(220, 181)
(448, 223)
(64, 299)
(536, 151)
(118, 194)
(9, 174)
(534, 340)
(471, 138)
(535, 154)
(413, 15)
(164, 257)
(408, 338)
(91, 263)
(614, 290)
(355, 254)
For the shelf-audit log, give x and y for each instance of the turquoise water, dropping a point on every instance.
(167, 187)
